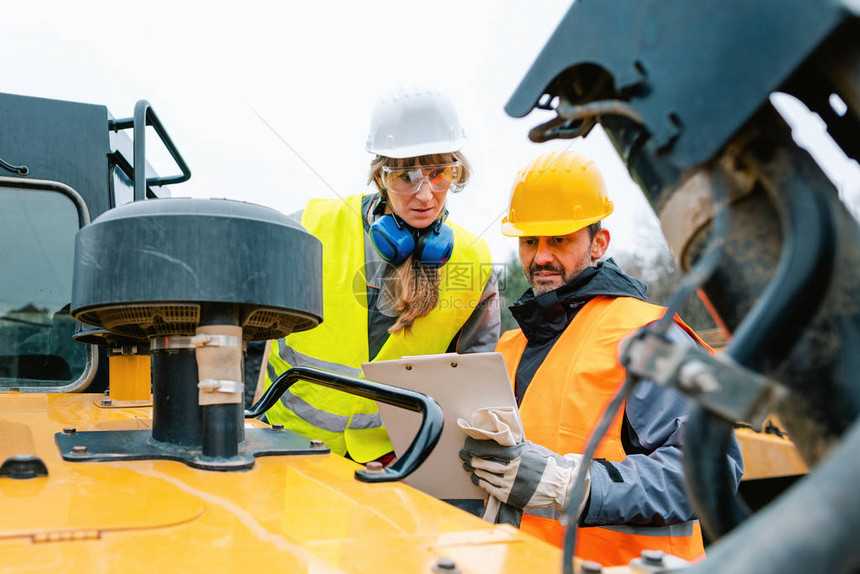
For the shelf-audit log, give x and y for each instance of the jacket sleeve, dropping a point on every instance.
(481, 331)
(647, 486)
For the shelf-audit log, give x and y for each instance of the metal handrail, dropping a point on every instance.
(144, 116)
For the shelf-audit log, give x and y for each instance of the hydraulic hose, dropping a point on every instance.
(812, 528)
(711, 480)
(766, 335)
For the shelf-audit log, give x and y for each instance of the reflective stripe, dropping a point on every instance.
(296, 359)
(551, 514)
(326, 420)
(366, 421)
(544, 512)
(270, 370)
(682, 529)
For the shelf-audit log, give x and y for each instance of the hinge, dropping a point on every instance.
(66, 536)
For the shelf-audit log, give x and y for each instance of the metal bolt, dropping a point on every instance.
(69, 430)
(653, 557)
(106, 402)
(589, 567)
(79, 449)
(454, 364)
(277, 426)
(316, 443)
(374, 467)
(445, 565)
(695, 376)
(408, 367)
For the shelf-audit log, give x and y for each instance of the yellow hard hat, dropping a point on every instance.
(556, 194)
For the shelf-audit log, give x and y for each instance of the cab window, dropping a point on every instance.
(37, 242)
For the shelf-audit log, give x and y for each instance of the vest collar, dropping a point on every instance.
(544, 317)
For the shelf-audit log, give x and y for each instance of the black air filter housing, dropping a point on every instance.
(145, 269)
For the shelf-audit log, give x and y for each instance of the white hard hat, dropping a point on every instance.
(415, 124)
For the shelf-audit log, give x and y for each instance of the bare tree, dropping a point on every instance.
(512, 285)
(659, 271)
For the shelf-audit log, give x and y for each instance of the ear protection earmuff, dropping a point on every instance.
(395, 241)
(435, 244)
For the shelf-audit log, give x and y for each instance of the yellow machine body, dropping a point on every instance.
(130, 378)
(769, 455)
(302, 513)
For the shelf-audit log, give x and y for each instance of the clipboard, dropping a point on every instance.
(460, 384)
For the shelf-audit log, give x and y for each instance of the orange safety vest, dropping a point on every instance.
(564, 402)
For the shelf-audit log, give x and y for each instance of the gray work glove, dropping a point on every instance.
(525, 475)
(501, 425)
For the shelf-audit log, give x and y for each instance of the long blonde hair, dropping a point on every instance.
(413, 287)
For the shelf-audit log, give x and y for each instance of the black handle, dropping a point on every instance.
(432, 419)
(144, 116)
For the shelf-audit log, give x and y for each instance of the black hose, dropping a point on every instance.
(798, 288)
(578, 488)
(811, 528)
(711, 482)
(767, 333)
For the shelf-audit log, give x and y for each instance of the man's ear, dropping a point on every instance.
(599, 244)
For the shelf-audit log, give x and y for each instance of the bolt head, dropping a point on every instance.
(106, 402)
(23, 466)
(374, 467)
(316, 443)
(445, 565)
(69, 430)
(79, 449)
(591, 567)
(653, 557)
(277, 426)
(696, 377)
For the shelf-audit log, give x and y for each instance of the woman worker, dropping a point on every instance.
(398, 277)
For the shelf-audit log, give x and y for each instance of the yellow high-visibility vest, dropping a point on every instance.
(346, 423)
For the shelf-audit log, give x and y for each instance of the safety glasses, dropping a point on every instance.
(408, 180)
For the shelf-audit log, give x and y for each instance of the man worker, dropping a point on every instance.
(564, 363)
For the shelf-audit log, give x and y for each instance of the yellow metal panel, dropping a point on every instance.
(130, 378)
(92, 497)
(768, 455)
(290, 514)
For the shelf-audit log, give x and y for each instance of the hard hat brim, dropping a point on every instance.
(546, 228)
(419, 150)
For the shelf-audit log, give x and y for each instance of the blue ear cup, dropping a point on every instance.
(435, 245)
(395, 241)
(392, 239)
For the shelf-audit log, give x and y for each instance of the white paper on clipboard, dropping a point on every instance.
(460, 384)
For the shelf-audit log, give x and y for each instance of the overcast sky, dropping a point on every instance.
(313, 71)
